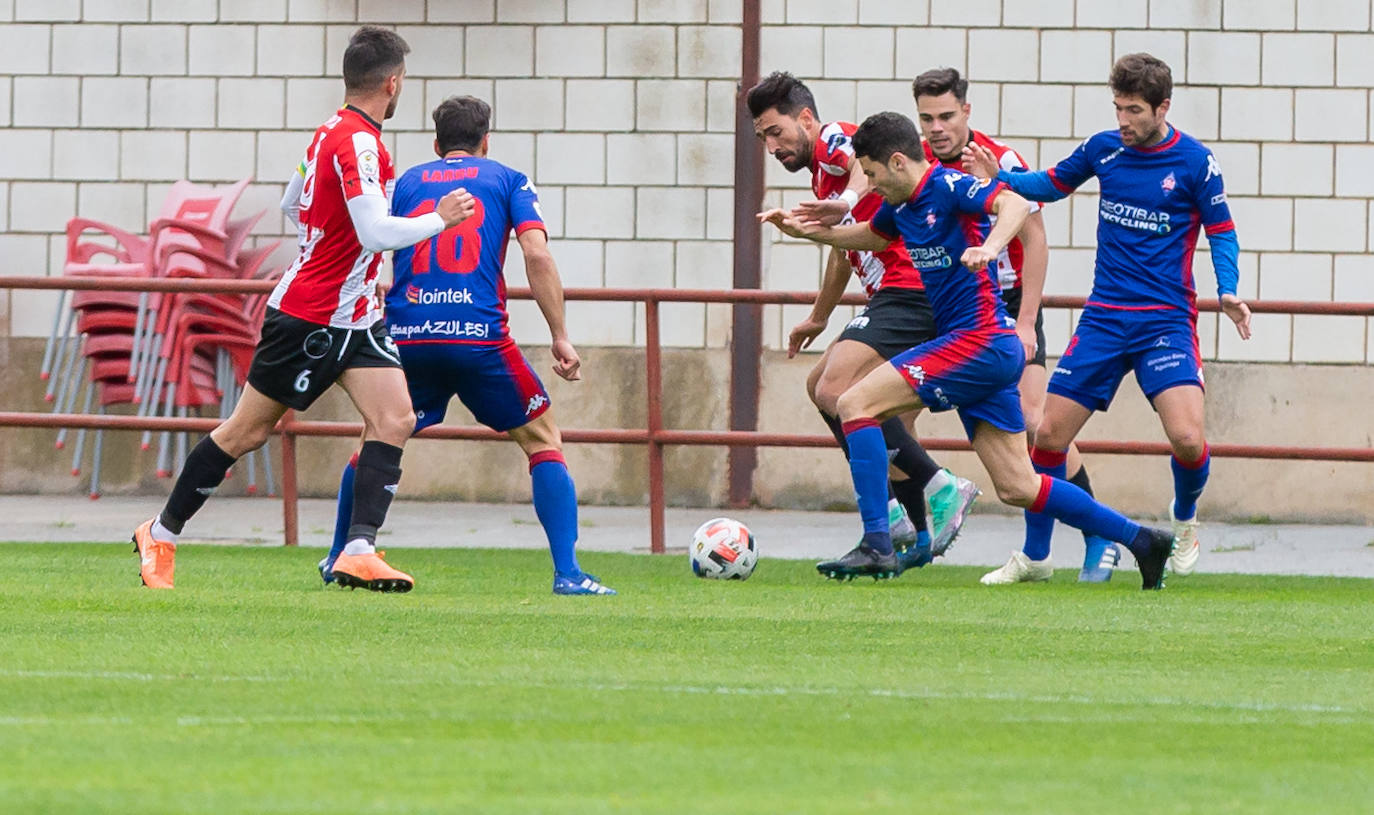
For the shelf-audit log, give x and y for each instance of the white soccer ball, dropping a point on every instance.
(723, 549)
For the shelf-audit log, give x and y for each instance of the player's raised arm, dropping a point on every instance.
(1045, 185)
(547, 288)
(1011, 211)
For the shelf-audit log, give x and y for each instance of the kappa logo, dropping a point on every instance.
(915, 372)
(1168, 183)
(1213, 168)
(536, 402)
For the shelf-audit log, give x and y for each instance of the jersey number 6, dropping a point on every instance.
(459, 247)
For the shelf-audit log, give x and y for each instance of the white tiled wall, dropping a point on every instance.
(623, 111)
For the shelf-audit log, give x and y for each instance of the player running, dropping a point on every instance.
(1159, 189)
(897, 317)
(943, 114)
(446, 312)
(975, 362)
(322, 325)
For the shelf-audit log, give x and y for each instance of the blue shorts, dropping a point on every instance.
(495, 382)
(1160, 345)
(973, 372)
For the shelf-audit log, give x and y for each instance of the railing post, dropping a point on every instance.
(289, 507)
(653, 385)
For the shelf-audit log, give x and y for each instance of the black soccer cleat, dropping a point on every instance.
(1155, 555)
(861, 561)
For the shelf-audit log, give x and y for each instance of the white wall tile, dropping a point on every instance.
(1284, 276)
(570, 158)
(720, 214)
(570, 50)
(85, 155)
(1240, 166)
(291, 51)
(76, 49)
(156, 50)
(1296, 169)
(390, 12)
(1117, 14)
(1353, 65)
(919, 49)
(600, 212)
(184, 11)
(251, 103)
(528, 104)
(47, 10)
(319, 11)
(705, 159)
(863, 53)
(823, 12)
(1329, 225)
(1040, 14)
(1298, 59)
(1196, 111)
(114, 11)
(221, 50)
(796, 49)
(1270, 15)
(45, 206)
(622, 11)
(1222, 58)
(1354, 279)
(435, 50)
(311, 102)
(114, 102)
(1257, 114)
(670, 104)
(641, 51)
(1333, 15)
(181, 102)
(965, 12)
(46, 101)
(673, 11)
(252, 11)
(1075, 56)
(670, 212)
(639, 264)
(225, 156)
(1263, 223)
(1324, 338)
(156, 155)
(1036, 110)
(501, 50)
(534, 11)
(1185, 14)
(1355, 170)
(120, 205)
(1006, 54)
(1331, 115)
(703, 265)
(1271, 337)
(602, 105)
(714, 51)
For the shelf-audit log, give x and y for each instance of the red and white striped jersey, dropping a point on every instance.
(1013, 257)
(331, 282)
(832, 160)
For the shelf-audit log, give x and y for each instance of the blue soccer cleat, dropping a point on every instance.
(1100, 558)
(580, 583)
(326, 568)
(916, 555)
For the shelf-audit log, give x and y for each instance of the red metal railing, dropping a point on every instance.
(654, 436)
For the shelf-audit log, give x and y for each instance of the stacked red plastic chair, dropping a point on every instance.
(167, 354)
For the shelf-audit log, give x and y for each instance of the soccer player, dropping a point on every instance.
(975, 362)
(1159, 189)
(943, 109)
(322, 325)
(897, 316)
(446, 312)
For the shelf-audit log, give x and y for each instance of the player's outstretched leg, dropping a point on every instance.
(1033, 564)
(343, 515)
(360, 565)
(155, 540)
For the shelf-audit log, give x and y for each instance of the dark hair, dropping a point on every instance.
(938, 82)
(1144, 76)
(783, 91)
(883, 134)
(460, 122)
(373, 54)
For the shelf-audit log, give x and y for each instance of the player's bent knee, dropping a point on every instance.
(393, 428)
(1016, 492)
(853, 404)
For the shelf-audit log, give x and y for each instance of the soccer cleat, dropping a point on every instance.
(948, 509)
(902, 529)
(1100, 557)
(861, 561)
(370, 572)
(157, 559)
(580, 583)
(914, 556)
(1186, 549)
(1154, 558)
(326, 570)
(1019, 569)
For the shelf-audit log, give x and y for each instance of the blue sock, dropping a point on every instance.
(555, 502)
(868, 467)
(1069, 504)
(1039, 525)
(344, 514)
(1189, 479)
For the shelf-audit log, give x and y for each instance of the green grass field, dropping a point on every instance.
(251, 689)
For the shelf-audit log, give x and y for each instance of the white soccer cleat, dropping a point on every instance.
(1019, 569)
(1186, 549)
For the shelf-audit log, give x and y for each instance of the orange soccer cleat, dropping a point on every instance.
(157, 559)
(370, 572)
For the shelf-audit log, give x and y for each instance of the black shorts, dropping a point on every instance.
(297, 360)
(1012, 297)
(894, 320)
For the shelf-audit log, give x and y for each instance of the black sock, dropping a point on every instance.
(374, 485)
(836, 429)
(911, 458)
(912, 497)
(1080, 480)
(201, 473)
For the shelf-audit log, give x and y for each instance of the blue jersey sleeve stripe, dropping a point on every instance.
(1059, 185)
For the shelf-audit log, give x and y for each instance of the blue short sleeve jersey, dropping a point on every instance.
(1154, 203)
(451, 288)
(946, 214)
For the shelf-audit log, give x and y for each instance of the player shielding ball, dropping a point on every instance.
(942, 111)
(1160, 189)
(975, 363)
(446, 312)
(322, 325)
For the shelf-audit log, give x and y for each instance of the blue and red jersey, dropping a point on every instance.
(1154, 203)
(451, 288)
(947, 213)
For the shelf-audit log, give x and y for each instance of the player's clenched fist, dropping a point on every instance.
(456, 206)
